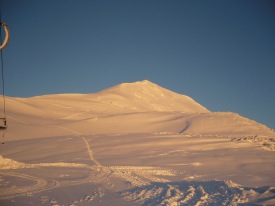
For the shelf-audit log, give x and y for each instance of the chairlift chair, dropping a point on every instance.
(3, 125)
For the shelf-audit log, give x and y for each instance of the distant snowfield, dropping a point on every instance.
(133, 144)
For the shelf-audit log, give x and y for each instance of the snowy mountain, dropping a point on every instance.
(132, 144)
(139, 107)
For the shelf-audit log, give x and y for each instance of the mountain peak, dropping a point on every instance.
(145, 81)
(147, 96)
(140, 83)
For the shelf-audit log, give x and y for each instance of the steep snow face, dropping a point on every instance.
(147, 96)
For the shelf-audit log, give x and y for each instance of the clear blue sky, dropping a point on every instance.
(221, 53)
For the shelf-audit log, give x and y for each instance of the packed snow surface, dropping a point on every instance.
(132, 144)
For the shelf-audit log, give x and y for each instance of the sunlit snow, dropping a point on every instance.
(132, 144)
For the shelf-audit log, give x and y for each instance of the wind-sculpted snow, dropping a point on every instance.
(198, 193)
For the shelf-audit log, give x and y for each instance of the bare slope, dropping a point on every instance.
(139, 107)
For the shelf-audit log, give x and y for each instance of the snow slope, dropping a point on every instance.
(135, 170)
(132, 144)
(139, 107)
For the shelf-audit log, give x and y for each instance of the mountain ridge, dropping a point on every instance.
(139, 107)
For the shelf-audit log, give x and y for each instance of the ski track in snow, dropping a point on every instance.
(38, 186)
(77, 134)
(89, 149)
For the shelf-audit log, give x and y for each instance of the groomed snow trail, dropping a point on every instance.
(77, 134)
(89, 149)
